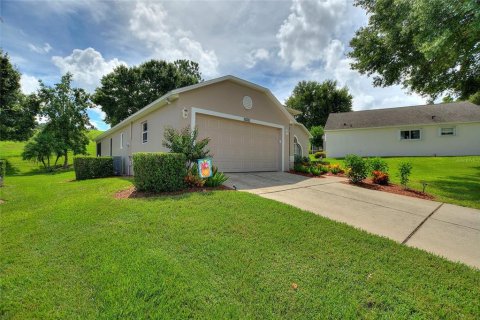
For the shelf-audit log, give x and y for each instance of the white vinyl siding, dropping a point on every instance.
(385, 142)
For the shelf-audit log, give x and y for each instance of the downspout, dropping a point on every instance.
(130, 157)
(289, 145)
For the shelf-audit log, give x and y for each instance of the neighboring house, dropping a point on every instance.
(250, 130)
(447, 129)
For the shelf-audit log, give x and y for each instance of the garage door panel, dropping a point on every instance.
(241, 146)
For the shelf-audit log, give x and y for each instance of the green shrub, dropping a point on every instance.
(378, 164)
(3, 165)
(315, 171)
(301, 160)
(217, 178)
(335, 169)
(93, 167)
(159, 171)
(404, 171)
(319, 155)
(323, 169)
(299, 167)
(357, 168)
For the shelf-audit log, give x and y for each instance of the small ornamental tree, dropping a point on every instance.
(42, 147)
(185, 141)
(404, 171)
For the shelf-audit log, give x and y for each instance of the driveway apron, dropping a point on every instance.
(443, 229)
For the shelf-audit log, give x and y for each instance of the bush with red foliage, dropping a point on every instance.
(380, 177)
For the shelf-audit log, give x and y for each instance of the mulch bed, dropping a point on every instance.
(132, 193)
(368, 184)
(341, 175)
(392, 188)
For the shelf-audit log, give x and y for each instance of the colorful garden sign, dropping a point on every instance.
(205, 168)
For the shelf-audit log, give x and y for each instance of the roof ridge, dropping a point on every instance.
(404, 107)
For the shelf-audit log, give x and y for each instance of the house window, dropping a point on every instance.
(410, 135)
(447, 131)
(121, 140)
(111, 144)
(145, 132)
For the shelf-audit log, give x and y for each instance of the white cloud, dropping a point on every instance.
(29, 84)
(87, 66)
(99, 112)
(148, 23)
(308, 30)
(42, 50)
(254, 56)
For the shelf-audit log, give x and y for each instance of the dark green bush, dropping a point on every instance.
(93, 167)
(301, 160)
(159, 171)
(3, 165)
(357, 168)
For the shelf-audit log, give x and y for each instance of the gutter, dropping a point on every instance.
(160, 102)
(401, 126)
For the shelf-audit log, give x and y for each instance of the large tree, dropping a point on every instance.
(128, 89)
(65, 109)
(431, 47)
(17, 111)
(318, 100)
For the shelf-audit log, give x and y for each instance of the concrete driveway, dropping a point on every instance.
(444, 229)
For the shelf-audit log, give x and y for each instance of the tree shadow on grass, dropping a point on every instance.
(462, 188)
(10, 170)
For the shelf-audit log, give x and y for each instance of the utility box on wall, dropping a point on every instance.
(118, 166)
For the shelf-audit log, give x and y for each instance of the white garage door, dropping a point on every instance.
(238, 146)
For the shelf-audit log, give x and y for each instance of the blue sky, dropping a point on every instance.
(272, 43)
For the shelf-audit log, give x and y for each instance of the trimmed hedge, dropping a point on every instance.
(159, 171)
(93, 167)
(3, 166)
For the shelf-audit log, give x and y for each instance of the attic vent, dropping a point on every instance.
(247, 102)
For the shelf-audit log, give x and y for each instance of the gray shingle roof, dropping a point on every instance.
(415, 115)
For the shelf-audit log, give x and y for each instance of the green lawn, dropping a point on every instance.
(12, 150)
(450, 179)
(69, 249)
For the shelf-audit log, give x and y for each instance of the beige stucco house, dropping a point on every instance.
(250, 130)
(446, 129)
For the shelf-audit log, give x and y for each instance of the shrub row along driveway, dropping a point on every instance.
(444, 229)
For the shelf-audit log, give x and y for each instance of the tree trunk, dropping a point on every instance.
(65, 163)
(56, 160)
